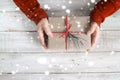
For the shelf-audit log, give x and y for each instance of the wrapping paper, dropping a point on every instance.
(69, 34)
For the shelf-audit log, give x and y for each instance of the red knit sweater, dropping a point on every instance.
(102, 9)
(32, 9)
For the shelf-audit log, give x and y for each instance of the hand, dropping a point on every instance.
(43, 25)
(94, 32)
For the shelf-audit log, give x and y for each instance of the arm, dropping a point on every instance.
(31, 9)
(104, 9)
(101, 10)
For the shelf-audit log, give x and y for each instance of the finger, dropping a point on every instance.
(94, 38)
(91, 29)
(93, 41)
(41, 37)
(88, 50)
(47, 30)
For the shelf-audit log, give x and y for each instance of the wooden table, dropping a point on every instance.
(23, 58)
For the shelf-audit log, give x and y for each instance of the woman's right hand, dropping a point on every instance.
(94, 32)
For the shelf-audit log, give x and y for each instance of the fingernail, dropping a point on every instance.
(51, 35)
(45, 46)
(88, 50)
(88, 33)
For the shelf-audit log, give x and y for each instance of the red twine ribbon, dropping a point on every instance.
(68, 27)
(65, 34)
(67, 31)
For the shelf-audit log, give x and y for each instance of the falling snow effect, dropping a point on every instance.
(91, 63)
(44, 60)
(47, 72)
(0, 73)
(92, 1)
(105, 0)
(4, 11)
(14, 72)
(17, 9)
(78, 24)
(46, 6)
(67, 11)
(88, 4)
(112, 53)
(63, 7)
(70, 2)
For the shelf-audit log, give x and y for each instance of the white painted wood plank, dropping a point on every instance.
(17, 21)
(19, 41)
(28, 42)
(111, 23)
(60, 63)
(9, 5)
(108, 41)
(13, 21)
(82, 76)
(55, 5)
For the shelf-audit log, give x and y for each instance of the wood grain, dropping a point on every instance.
(60, 63)
(23, 58)
(28, 42)
(17, 21)
(9, 5)
(81, 76)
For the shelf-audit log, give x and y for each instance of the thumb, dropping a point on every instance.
(91, 29)
(48, 30)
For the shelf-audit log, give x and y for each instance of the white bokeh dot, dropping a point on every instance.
(67, 11)
(46, 6)
(47, 72)
(70, 2)
(42, 60)
(63, 7)
(91, 63)
(92, 1)
(105, 0)
(17, 9)
(88, 4)
(3, 10)
(63, 17)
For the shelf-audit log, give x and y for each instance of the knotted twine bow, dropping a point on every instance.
(67, 34)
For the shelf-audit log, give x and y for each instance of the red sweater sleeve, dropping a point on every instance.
(104, 9)
(32, 9)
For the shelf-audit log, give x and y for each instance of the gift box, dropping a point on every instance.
(69, 34)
